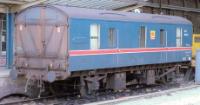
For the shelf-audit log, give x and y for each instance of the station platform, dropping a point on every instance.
(4, 72)
(181, 96)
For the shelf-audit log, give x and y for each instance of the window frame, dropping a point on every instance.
(197, 39)
(179, 37)
(163, 38)
(143, 41)
(95, 38)
(3, 35)
(112, 37)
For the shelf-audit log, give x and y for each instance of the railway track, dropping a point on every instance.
(103, 98)
(21, 102)
(24, 101)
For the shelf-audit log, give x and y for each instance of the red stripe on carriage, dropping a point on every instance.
(123, 51)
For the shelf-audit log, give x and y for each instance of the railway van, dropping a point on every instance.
(88, 50)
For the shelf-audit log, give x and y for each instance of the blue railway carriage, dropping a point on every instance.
(54, 43)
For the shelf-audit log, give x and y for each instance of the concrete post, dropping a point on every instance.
(9, 39)
(197, 69)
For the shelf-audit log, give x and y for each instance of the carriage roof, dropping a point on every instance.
(83, 13)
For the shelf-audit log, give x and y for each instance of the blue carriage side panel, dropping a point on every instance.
(80, 40)
(128, 37)
(79, 35)
(187, 41)
(180, 56)
(127, 51)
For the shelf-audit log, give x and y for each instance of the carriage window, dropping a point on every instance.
(94, 36)
(197, 39)
(162, 38)
(178, 37)
(112, 37)
(142, 37)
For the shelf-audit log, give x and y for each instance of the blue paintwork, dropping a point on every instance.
(9, 39)
(128, 37)
(110, 61)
